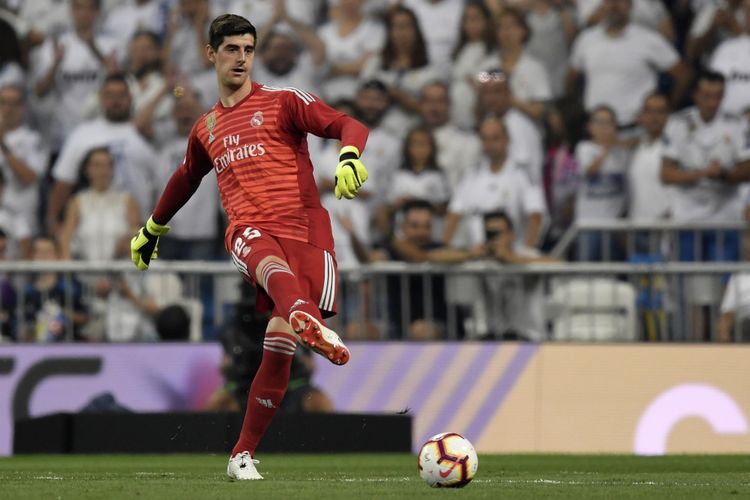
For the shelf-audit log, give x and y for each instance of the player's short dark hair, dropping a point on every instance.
(416, 204)
(229, 25)
(499, 214)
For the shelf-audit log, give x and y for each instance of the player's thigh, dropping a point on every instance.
(249, 247)
(316, 271)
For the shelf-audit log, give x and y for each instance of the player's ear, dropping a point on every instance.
(210, 53)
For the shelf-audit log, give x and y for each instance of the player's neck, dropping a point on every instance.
(229, 97)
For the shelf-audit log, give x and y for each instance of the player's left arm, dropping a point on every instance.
(307, 113)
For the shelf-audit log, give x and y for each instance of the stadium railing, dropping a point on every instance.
(573, 301)
(646, 238)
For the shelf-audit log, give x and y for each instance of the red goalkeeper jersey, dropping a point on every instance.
(258, 148)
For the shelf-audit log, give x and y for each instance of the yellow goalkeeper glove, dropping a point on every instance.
(350, 173)
(143, 246)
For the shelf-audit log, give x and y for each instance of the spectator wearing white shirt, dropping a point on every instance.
(552, 29)
(527, 76)
(350, 39)
(602, 195)
(187, 37)
(23, 157)
(194, 230)
(440, 24)
(45, 18)
(291, 54)
(498, 184)
(100, 220)
(475, 43)
(261, 12)
(15, 229)
(127, 19)
(649, 198)
(496, 99)
(732, 59)
(150, 89)
(509, 307)
(403, 64)
(134, 159)
(382, 155)
(706, 157)
(714, 22)
(458, 152)
(650, 14)
(69, 69)
(418, 178)
(621, 62)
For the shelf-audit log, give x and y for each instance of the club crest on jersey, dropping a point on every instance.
(210, 126)
(257, 119)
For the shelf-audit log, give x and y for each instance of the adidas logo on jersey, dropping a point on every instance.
(265, 402)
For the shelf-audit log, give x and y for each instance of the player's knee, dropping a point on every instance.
(269, 263)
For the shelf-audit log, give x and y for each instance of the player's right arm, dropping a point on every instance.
(307, 113)
(179, 189)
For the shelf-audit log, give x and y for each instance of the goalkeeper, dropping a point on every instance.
(279, 236)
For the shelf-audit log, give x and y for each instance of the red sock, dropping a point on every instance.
(267, 390)
(282, 286)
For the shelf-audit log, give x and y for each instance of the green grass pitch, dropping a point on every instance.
(364, 476)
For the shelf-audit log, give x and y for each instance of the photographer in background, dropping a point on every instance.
(242, 340)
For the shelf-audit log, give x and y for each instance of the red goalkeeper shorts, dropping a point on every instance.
(315, 268)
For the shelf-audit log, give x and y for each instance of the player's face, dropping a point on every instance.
(233, 60)
(418, 226)
(11, 108)
(708, 98)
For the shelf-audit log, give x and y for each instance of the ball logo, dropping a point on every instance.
(257, 119)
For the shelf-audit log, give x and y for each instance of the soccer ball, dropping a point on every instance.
(447, 460)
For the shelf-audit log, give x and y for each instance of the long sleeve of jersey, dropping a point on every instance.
(306, 113)
(184, 182)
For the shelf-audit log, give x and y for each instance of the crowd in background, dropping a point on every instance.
(494, 125)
